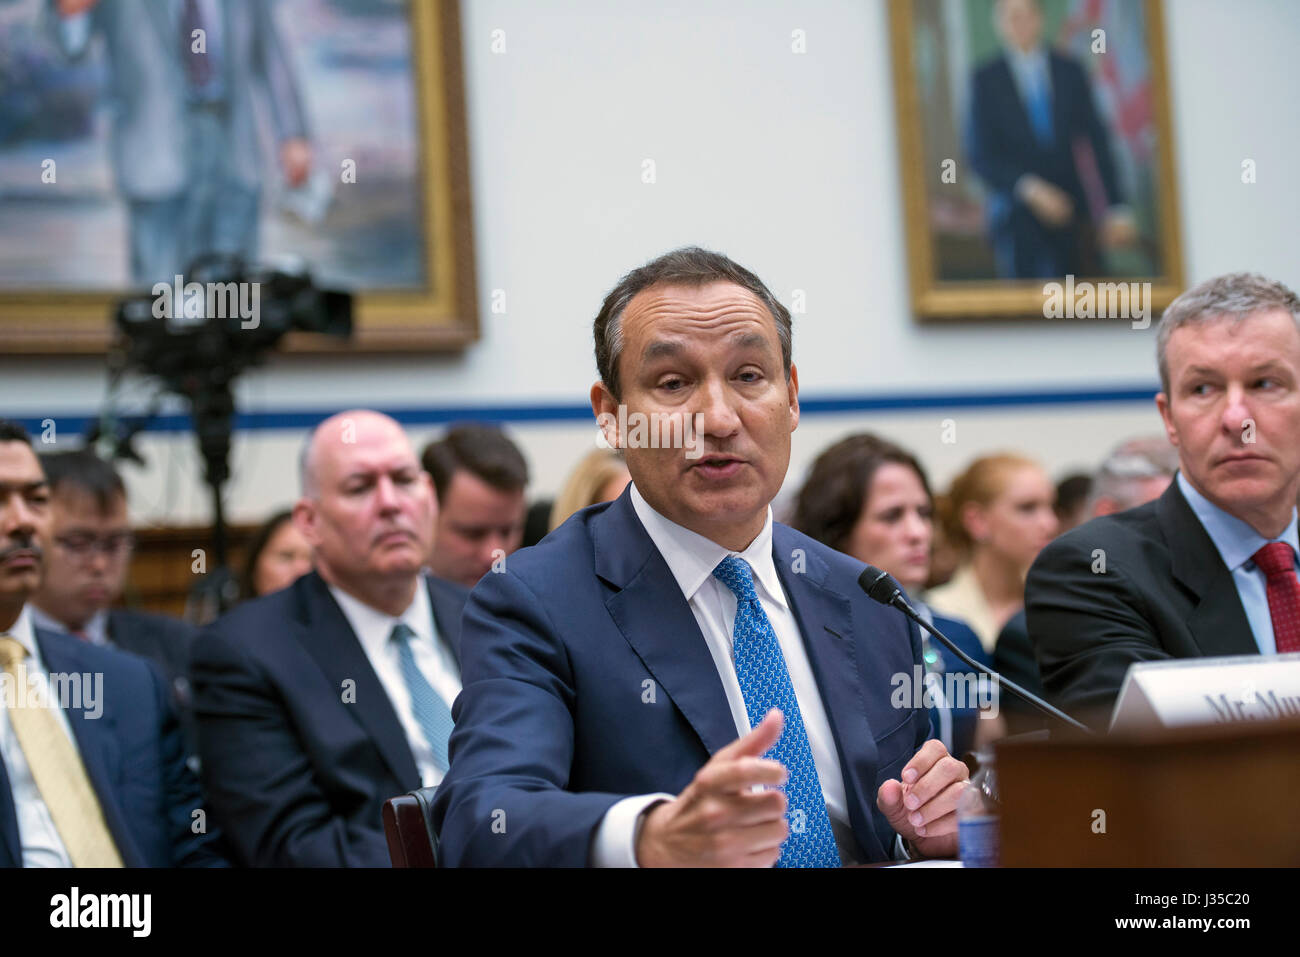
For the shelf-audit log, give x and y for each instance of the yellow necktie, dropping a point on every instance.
(57, 769)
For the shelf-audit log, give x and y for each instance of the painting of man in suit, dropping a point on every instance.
(1036, 140)
(1035, 143)
(138, 135)
(184, 143)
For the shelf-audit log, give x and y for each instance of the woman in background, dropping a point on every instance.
(277, 557)
(600, 477)
(869, 498)
(999, 514)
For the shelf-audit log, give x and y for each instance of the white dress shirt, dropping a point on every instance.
(373, 629)
(41, 844)
(95, 630)
(691, 558)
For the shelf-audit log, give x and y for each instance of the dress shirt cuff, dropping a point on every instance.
(900, 849)
(615, 841)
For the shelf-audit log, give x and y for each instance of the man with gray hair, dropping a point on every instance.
(1208, 568)
(317, 703)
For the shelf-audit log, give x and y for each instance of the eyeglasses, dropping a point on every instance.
(114, 545)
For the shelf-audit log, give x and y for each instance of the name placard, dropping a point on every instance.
(1208, 691)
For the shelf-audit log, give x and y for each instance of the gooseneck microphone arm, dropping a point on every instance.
(880, 587)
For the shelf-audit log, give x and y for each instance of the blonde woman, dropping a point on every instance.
(998, 514)
(600, 477)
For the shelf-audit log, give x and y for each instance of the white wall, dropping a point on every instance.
(786, 162)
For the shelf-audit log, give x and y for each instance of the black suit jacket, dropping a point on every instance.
(299, 743)
(1164, 593)
(131, 747)
(167, 643)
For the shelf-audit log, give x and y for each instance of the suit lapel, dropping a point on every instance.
(825, 620)
(657, 622)
(97, 742)
(11, 845)
(329, 639)
(1218, 624)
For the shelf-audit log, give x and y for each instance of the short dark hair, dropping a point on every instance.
(688, 266)
(832, 497)
(483, 450)
(86, 472)
(11, 431)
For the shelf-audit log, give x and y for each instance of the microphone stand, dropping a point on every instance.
(880, 587)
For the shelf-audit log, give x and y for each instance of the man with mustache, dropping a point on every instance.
(317, 703)
(1208, 568)
(673, 679)
(92, 775)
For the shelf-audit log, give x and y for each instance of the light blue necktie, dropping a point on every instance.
(431, 712)
(765, 683)
(1040, 106)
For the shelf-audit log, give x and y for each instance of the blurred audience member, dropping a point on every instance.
(869, 498)
(480, 477)
(600, 477)
(1072, 501)
(999, 513)
(1136, 472)
(86, 570)
(277, 557)
(944, 555)
(537, 523)
(84, 783)
(1209, 568)
(317, 703)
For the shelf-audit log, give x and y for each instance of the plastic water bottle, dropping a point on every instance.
(978, 811)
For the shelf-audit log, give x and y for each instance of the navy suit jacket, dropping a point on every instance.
(964, 718)
(1002, 147)
(300, 745)
(165, 641)
(134, 758)
(587, 680)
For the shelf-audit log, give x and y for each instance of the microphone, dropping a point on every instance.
(880, 587)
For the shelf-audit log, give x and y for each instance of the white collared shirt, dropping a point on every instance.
(95, 631)
(41, 844)
(374, 629)
(691, 558)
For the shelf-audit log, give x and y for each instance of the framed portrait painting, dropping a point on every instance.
(327, 136)
(1036, 158)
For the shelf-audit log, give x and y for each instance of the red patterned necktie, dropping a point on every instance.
(1277, 561)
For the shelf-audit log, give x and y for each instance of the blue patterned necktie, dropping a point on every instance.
(765, 683)
(431, 712)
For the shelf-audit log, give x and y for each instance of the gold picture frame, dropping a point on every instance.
(441, 315)
(948, 299)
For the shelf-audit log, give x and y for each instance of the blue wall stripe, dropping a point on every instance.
(543, 412)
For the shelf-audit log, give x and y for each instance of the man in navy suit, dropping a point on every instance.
(86, 571)
(1035, 139)
(317, 703)
(136, 804)
(624, 678)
